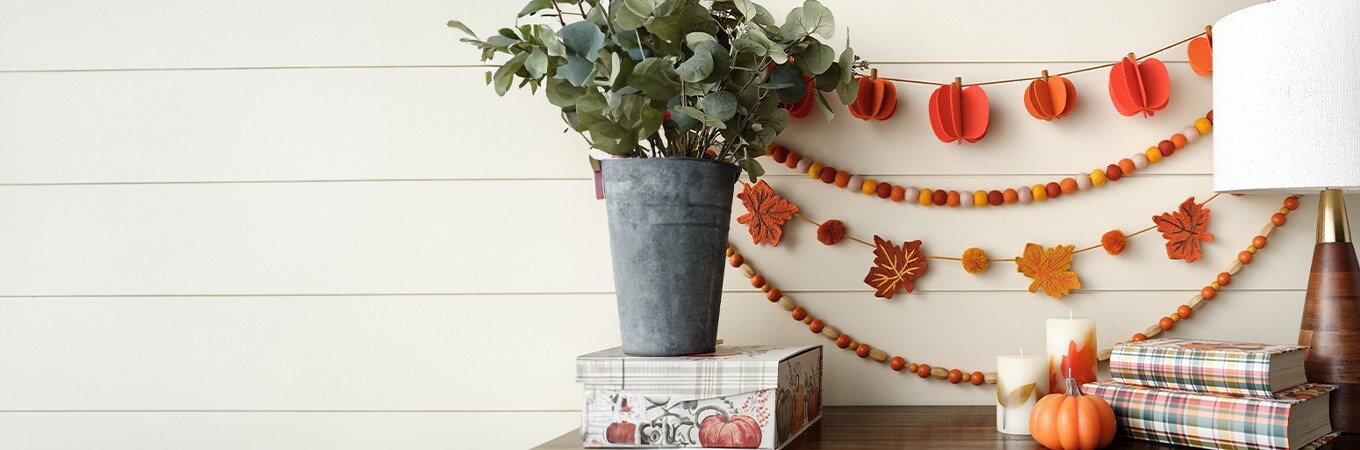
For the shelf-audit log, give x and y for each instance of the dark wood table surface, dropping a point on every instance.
(954, 427)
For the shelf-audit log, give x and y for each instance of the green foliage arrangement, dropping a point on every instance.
(673, 78)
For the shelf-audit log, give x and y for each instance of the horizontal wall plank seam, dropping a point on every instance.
(456, 180)
(583, 293)
(485, 66)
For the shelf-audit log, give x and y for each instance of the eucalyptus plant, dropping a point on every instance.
(671, 78)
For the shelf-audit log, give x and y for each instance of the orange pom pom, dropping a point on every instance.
(831, 232)
(975, 260)
(1113, 241)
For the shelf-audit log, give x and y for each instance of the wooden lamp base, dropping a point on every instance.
(1331, 313)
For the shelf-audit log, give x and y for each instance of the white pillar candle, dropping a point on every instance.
(1071, 351)
(1020, 382)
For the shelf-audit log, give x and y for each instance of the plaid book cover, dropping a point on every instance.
(1197, 365)
(1203, 420)
(729, 370)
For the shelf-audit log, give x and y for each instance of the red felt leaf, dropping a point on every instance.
(766, 212)
(1184, 229)
(895, 268)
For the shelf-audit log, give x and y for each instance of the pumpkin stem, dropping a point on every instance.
(1133, 57)
(720, 411)
(1073, 389)
(873, 74)
(1045, 75)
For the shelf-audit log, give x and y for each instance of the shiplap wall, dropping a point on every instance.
(261, 224)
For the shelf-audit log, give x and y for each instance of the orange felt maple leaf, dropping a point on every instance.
(1184, 229)
(766, 212)
(1049, 269)
(895, 267)
(1078, 363)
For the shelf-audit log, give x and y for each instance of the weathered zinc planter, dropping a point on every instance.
(668, 220)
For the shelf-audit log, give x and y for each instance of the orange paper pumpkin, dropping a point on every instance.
(877, 98)
(1072, 421)
(959, 114)
(1050, 98)
(803, 106)
(1201, 53)
(1139, 87)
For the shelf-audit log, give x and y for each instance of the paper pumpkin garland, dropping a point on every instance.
(1184, 229)
(1139, 87)
(766, 212)
(959, 114)
(1050, 98)
(1201, 53)
(877, 99)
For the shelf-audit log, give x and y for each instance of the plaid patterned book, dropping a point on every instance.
(1294, 419)
(1211, 367)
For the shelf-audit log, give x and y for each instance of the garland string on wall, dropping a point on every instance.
(843, 340)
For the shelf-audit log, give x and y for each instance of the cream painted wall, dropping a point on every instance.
(260, 224)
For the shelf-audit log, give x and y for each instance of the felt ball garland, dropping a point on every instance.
(982, 198)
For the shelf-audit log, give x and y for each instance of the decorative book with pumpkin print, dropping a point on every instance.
(1204, 366)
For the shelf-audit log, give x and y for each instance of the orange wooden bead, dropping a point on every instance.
(1184, 311)
(799, 313)
(1244, 257)
(1053, 189)
(1224, 278)
(757, 281)
(1166, 323)
(1277, 219)
(843, 341)
(955, 376)
(897, 363)
(1258, 242)
(898, 193)
(952, 199)
(1126, 165)
(774, 295)
(1010, 196)
(977, 378)
(862, 350)
(1139, 337)
(842, 179)
(735, 260)
(923, 370)
(1208, 293)
(1291, 203)
(1069, 185)
(816, 326)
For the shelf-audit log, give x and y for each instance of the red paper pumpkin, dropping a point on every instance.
(720, 431)
(877, 98)
(1050, 98)
(803, 106)
(1139, 87)
(959, 114)
(1201, 53)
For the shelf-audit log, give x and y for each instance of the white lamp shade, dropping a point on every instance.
(1287, 97)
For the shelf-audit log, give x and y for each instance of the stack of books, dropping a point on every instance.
(1216, 394)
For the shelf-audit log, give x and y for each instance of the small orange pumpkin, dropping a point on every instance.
(1201, 53)
(1072, 421)
(877, 98)
(1049, 98)
(959, 114)
(1139, 87)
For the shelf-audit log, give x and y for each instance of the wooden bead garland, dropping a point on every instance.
(995, 197)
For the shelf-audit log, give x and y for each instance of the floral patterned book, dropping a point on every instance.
(1213, 367)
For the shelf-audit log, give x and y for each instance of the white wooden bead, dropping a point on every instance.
(989, 377)
(1235, 267)
(787, 303)
(1197, 302)
(1152, 331)
(1270, 228)
(877, 355)
(1104, 355)
(748, 270)
(831, 332)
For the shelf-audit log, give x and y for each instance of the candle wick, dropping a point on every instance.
(1069, 313)
(1022, 351)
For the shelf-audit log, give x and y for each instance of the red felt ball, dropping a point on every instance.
(1113, 172)
(1166, 147)
(995, 198)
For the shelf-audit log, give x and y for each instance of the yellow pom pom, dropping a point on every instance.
(815, 170)
(1153, 154)
(1203, 125)
(870, 186)
(974, 260)
(980, 199)
(926, 198)
(1040, 193)
(1097, 177)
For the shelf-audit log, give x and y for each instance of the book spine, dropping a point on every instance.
(1226, 373)
(1195, 420)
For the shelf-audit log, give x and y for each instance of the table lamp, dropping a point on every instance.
(1286, 80)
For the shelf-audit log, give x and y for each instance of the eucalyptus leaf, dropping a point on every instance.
(464, 28)
(509, 33)
(811, 18)
(752, 167)
(721, 105)
(847, 92)
(505, 75)
(622, 70)
(582, 39)
(824, 106)
(817, 57)
(696, 114)
(537, 63)
(561, 93)
(545, 37)
(722, 64)
(577, 70)
(632, 14)
(534, 6)
(791, 76)
(696, 68)
(656, 79)
(693, 39)
(501, 41)
(747, 9)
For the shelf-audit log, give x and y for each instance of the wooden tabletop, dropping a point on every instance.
(954, 427)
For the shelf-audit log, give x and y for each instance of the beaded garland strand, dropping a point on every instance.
(996, 197)
(977, 378)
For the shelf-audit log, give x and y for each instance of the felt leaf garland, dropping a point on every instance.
(895, 268)
(766, 212)
(1050, 98)
(1049, 269)
(1184, 229)
(1139, 87)
(959, 114)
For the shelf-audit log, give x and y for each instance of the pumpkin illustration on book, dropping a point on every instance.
(621, 433)
(721, 430)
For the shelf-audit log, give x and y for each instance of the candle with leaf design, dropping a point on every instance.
(1020, 381)
(1071, 351)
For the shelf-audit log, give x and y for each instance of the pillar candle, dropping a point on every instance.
(1020, 382)
(1071, 351)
